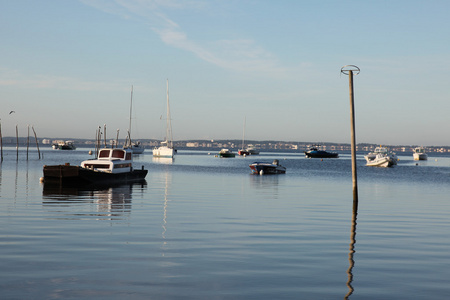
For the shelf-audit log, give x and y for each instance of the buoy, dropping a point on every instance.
(90, 152)
(41, 179)
(261, 172)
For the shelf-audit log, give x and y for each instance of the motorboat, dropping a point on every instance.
(110, 166)
(381, 157)
(419, 153)
(315, 152)
(166, 149)
(262, 168)
(63, 145)
(226, 153)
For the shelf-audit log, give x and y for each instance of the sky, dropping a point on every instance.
(67, 67)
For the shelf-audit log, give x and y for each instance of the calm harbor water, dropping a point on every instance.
(202, 227)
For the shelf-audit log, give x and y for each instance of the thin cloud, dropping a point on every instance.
(242, 55)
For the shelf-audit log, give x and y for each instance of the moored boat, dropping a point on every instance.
(63, 145)
(419, 153)
(135, 147)
(381, 157)
(111, 166)
(166, 149)
(315, 152)
(262, 168)
(226, 153)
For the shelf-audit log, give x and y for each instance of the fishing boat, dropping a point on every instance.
(262, 168)
(315, 152)
(381, 157)
(111, 166)
(166, 148)
(63, 145)
(135, 147)
(419, 153)
(226, 153)
(250, 150)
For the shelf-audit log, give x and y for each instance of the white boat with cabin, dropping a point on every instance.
(381, 157)
(419, 153)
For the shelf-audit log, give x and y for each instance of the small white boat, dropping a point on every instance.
(166, 149)
(63, 145)
(419, 153)
(262, 168)
(381, 157)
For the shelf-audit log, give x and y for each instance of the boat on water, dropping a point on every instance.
(419, 153)
(226, 153)
(166, 148)
(63, 145)
(250, 150)
(262, 168)
(111, 166)
(381, 157)
(135, 147)
(315, 152)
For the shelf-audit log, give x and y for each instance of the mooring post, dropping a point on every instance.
(1, 142)
(17, 143)
(348, 70)
(37, 143)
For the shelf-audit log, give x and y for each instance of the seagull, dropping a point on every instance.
(11, 112)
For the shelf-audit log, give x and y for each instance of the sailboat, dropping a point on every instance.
(136, 147)
(166, 149)
(249, 150)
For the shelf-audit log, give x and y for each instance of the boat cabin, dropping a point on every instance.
(111, 161)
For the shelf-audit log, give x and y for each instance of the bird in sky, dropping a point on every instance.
(11, 112)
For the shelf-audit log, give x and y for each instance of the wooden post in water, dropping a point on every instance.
(348, 70)
(1, 142)
(28, 139)
(37, 143)
(17, 143)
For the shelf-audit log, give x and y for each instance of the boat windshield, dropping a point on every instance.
(117, 153)
(103, 153)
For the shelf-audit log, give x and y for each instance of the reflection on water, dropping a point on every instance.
(109, 201)
(352, 249)
(163, 160)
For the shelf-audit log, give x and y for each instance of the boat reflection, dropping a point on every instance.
(163, 160)
(113, 201)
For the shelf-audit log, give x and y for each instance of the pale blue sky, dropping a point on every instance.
(67, 67)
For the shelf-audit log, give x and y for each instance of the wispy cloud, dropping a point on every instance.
(10, 77)
(242, 55)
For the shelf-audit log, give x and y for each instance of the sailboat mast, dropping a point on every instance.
(243, 135)
(168, 121)
(131, 109)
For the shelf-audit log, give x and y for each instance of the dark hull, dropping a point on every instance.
(267, 169)
(77, 176)
(321, 154)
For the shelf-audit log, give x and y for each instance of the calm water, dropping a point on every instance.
(202, 227)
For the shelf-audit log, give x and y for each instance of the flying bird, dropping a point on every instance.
(11, 112)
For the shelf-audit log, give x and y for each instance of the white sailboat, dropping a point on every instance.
(136, 147)
(250, 150)
(166, 149)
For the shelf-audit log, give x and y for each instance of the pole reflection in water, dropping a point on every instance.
(165, 206)
(352, 248)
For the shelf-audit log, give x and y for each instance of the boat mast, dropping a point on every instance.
(243, 136)
(168, 121)
(131, 108)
